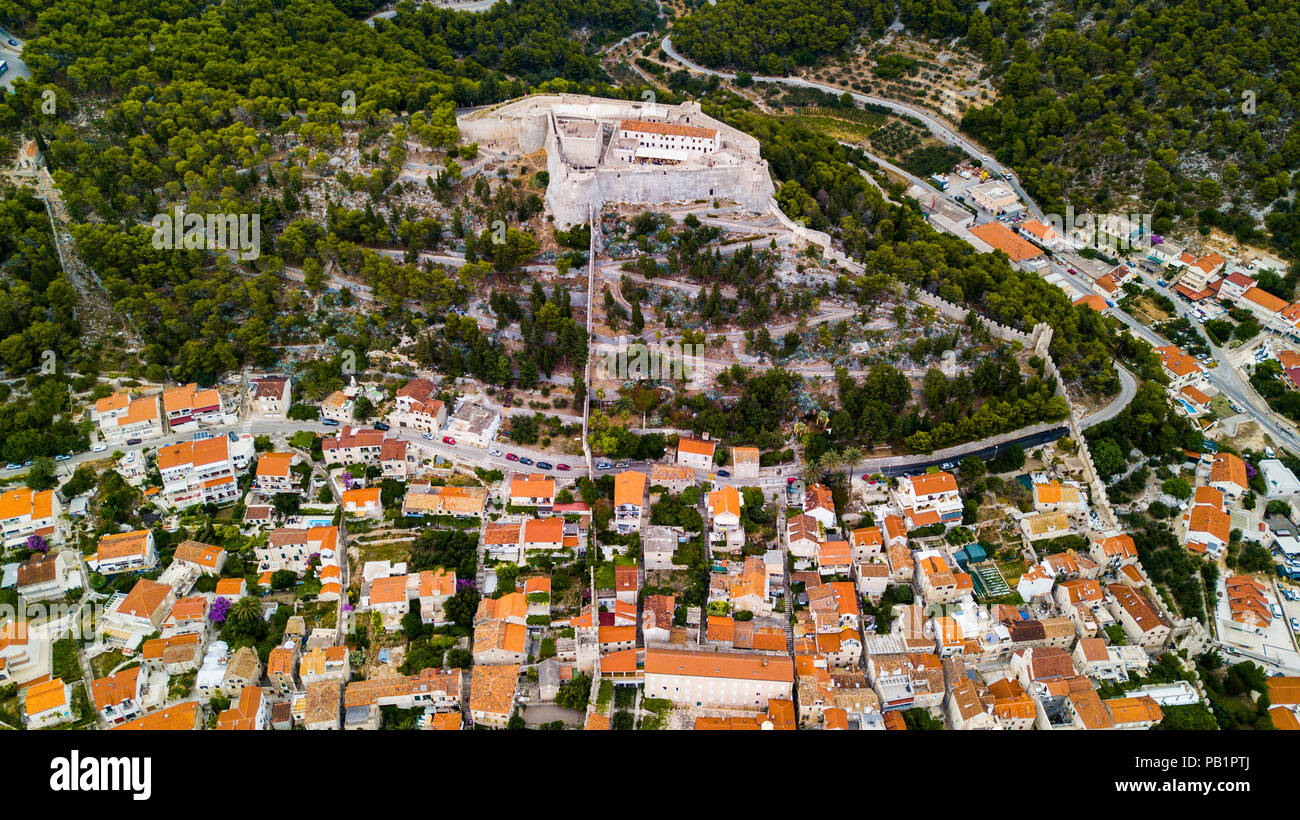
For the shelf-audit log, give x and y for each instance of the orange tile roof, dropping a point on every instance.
(242, 714)
(1229, 468)
(389, 590)
(193, 608)
(510, 605)
(676, 129)
(1001, 238)
(629, 488)
(866, 536)
(117, 401)
(1284, 719)
(725, 501)
(122, 544)
(492, 688)
(1194, 395)
(274, 464)
(533, 485)
(25, 501)
(932, 483)
(834, 553)
(1093, 301)
(47, 695)
(361, 497)
(496, 534)
(447, 499)
(181, 717)
(440, 582)
(543, 531)
(231, 586)
(1176, 361)
(1134, 710)
(1284, 690)
(696, 446)
(367, 692)
(1264, 299)
(144, 599)
(743, 666)
(197, 552)
(1038, 229)
(670, 472)
(141, 409)
(1207, 519)
(721, 628)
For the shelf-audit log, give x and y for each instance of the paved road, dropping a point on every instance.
(1224, 377)
(939, 129)
(10, 54)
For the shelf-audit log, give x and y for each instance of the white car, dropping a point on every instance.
(494, 452)
(99, 448)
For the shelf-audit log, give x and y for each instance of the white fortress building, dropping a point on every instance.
(641, 153)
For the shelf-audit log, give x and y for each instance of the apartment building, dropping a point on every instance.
(730, 680)
(928, 499)
(204, 471)
(695, 453)
(353, 446)
(271, 396)
(119, 417)
(629, 500)
(124, 552)
(275, 474)
(25, 512)
(186, 407)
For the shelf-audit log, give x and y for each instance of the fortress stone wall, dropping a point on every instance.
(588, 179)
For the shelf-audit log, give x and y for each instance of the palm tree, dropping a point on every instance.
(245, 612)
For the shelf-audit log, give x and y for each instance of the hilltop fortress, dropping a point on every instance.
(643, 153)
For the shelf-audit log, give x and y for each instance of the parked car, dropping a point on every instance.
(622, 464)
(603, 465)
(948, 465)
(330, 422)
(525, 460)
(448, 440)
(1277, 610)
(13, 42)
(493, 451)
(724, 474)
(543, 465)
(563, 467)
(381, 426)
(133, 441)
(511, 457)
(1295, 624)
(99, 448)
(64, 457)
(428, 436)
(13, 466)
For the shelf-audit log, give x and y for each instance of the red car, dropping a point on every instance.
(563, 467)
(448, 440)
(511, 457)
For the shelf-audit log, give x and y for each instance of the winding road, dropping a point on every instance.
(1223, 377)
(939, 129)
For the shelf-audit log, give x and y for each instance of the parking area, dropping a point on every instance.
(1276, 642)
